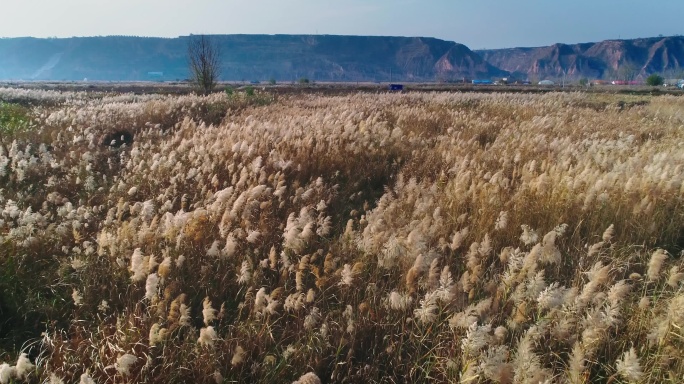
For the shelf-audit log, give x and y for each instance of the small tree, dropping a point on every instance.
(655, 80)
(204, 59)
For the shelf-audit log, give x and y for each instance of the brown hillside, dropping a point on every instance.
(610, 59)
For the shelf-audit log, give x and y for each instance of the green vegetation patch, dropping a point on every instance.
(13, 118)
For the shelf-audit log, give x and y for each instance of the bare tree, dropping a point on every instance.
(628, 71)
(204, 56)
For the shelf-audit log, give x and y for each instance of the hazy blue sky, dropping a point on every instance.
(476, 23)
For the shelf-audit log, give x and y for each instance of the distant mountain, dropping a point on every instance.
(245, 57)
(610, 59)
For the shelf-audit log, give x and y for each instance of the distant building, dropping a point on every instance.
(396, 87)
(482, 82)
(546, 82)
(505, 81)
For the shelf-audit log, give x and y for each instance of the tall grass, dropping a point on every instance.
(363, 238)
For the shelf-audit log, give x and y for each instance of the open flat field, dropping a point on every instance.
(98, 88)
(363, 237)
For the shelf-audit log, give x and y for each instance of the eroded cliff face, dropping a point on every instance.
(245, 57)
(334, 58)
(614, 59)
(458, 63)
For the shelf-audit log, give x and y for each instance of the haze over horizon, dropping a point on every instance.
(483, 24)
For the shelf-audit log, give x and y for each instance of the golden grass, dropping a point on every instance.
(416, 237)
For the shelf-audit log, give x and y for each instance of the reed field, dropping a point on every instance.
(361, 238)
